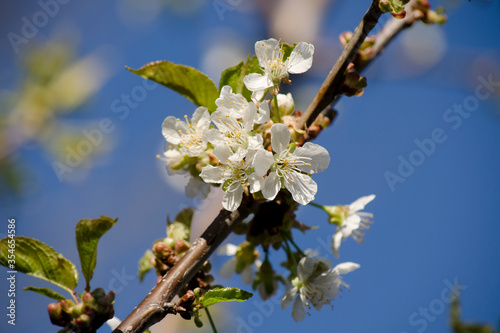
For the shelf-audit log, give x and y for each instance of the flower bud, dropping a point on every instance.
(180, 246)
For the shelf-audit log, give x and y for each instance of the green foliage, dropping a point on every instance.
(233, 76)
(46, 292)
(180, 228)
(40, 260)
(185, 80)
(218, 295)
(88, 233)
(144, 265)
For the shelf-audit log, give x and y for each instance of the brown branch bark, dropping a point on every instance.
(389, 32)
(330, 86)
(154, 307)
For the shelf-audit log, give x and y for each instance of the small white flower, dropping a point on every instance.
(270, 56)
(292, 169)
(188, 135)
(316, 283)
(233, 132)
(236, 105)
(234, 173)
(349, 221)
(244, 261)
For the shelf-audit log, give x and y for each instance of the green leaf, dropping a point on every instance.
(218, 295)
(233, 76)
(46, 292)
(180, 228)
(185, 80)
(144, 265)
(88, 233)
(40, 260)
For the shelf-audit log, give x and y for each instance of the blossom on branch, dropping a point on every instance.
(270, 55)
(288, 168)
(316, 284)
(188, 136)
(349, 221)
(234, 173)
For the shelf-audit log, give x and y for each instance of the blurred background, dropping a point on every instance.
(64, 89)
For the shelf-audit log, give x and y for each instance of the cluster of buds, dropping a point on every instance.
(422, 11)
(165, 258)
(88, 315)
(354, 83)
(365, 51)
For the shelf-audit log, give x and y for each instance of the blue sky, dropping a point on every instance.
(437, 228)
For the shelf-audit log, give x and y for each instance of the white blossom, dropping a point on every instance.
(188, 135)
(233, 132)
(291, 169)
(234, 173)
(316, 284)
(350, 221)
(270, 55)
(236, 105)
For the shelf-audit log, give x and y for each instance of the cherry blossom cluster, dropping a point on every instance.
(245, 145)
(229, 143)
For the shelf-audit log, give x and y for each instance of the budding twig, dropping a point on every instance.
(151, 309)
(330, 86)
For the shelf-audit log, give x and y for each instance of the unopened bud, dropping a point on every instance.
(180, 247)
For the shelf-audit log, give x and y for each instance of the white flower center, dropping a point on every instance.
(287, 165)
(192, 137)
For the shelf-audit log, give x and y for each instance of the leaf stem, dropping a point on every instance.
(276, 109)
(294, 244)
(211, 320)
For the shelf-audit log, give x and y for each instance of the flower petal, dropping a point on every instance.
(256, 182)
(264, 113)
(227, 250)
(262, 161)
(271, 186)
(247, 275)
(301, 58)
(288, 297)
(223, 153)
(336, 241)
(232, 200)
(201, 117)
(316, 158)
(265, 50)
(211, 174)
(256, 82)
(302, 187)
(298, 310)
(196, 186)
(280, 137)
(361, 203)
(169, 130)
(305, 268)
(345, 267)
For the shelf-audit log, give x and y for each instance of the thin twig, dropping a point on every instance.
(330, 86)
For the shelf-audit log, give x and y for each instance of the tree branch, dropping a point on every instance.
(154, 307)
(389, 32)
(330, 86)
